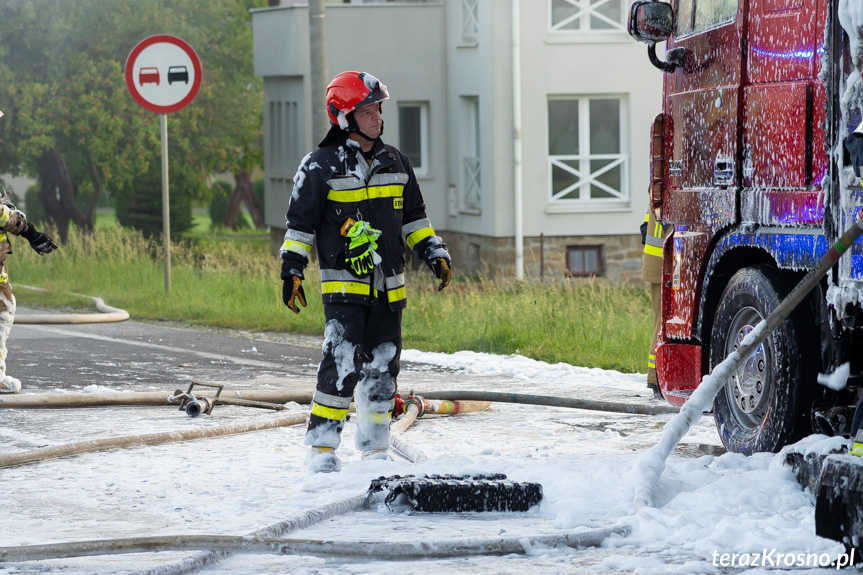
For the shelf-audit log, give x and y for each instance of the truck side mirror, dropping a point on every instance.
(651, 21)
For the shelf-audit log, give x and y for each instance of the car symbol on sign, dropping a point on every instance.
(178, 74)
(148, 76)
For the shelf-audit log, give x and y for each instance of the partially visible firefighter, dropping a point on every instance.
(854, 145)
(358, 200)
(13, 221)
(652, 236)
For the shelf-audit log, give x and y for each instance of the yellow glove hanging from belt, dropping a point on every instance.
(362, 243)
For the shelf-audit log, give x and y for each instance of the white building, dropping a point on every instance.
(461, 75)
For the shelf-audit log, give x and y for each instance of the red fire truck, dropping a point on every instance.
(749, 168)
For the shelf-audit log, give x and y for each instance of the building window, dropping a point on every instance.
(588, 15)
(587, 160)
(469, 21)
(413, 135)
(470, 154)
(584, 261)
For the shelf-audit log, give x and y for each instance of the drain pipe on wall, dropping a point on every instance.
(516, 144)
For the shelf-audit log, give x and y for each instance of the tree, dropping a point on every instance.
(70, 120)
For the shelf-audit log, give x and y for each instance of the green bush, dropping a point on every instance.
(220, 193)
(139, 204)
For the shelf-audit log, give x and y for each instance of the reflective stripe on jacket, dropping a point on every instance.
(335, 183)
(651, 263)
(654, 239)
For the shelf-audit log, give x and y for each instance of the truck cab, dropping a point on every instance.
(749, 169)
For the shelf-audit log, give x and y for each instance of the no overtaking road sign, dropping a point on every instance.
(163, 73)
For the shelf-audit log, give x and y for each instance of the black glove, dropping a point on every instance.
(291, 290)
(440, 268)
(643, 229)
(39, 241)
(854, 145)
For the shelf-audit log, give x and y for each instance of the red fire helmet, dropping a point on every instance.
(349, 91)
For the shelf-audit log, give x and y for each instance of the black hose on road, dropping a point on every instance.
(552, 401)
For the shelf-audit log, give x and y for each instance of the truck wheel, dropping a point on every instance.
(759, 408)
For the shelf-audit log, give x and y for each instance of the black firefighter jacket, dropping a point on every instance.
(334, 183)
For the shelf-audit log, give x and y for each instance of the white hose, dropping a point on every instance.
(651, 463)
(406, 420)
(21, 458)
(213, 552)
(106, 313)
(386, 550)
(138, 398)
(398, 444)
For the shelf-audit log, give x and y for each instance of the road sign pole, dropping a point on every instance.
(166, 211)
(163, 74)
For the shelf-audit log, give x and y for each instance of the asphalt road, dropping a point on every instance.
(155, 356)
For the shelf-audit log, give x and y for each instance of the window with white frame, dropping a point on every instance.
(413, 135)
(469, 21)
(588, 162)
(588, 15)
(469, 139)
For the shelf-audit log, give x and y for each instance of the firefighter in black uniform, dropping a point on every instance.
(359, 200)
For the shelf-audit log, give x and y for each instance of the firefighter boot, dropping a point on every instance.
(652, 381)
(373, 399)
(9, 385)
(379, 454)
(323, 460)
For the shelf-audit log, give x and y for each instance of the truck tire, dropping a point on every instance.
(761, 406)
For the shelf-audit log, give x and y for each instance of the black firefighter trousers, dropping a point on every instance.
(362, 347)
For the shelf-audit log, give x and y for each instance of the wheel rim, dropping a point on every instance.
(748, 389)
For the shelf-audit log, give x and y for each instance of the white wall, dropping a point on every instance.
(401, 45)
(475, 69)
(404, 48)
(551, 64)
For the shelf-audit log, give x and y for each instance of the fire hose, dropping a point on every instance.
(213, 548)
(651, 464)
(553, 401)
(91, 446)
(217, 547)
(137, 398)
(413, 408)
(106, 313)
(227, 544)
(54, 400)
(416, 406)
